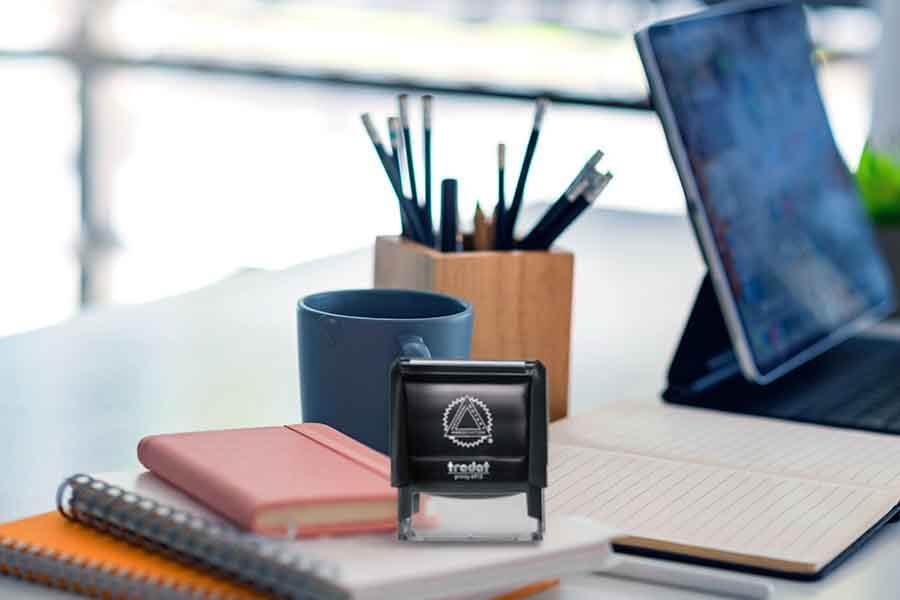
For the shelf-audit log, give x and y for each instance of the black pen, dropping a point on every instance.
(586, 191)
(449, 216)
(407, 147)
(387, 163)
(394, 158)
(383, 154)
(396, 139)
(559, 207)
(573, 211)
(539, 110)
(500, 242)
(409, 211)
(426, 126)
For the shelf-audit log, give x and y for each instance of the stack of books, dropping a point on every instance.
(219, 515)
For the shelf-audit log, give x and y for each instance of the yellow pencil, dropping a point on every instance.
(481, 239)
(528, 590)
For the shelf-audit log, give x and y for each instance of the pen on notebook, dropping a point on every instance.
(500, 241)
(426, 141)
(449, 218)
(539, 109)
(409, 211)
(387, 163)
(689, 577)
(585, 189)
(558, 208)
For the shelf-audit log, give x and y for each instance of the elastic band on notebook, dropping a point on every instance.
(363, 456)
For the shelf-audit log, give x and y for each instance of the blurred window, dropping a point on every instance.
(154, 146)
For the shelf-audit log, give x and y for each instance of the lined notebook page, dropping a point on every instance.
(757, 444)
(713, 512)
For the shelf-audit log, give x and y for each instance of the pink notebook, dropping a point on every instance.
(306, 478)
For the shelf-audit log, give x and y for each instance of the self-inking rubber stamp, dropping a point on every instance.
(468, 430)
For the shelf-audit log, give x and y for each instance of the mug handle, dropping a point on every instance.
(413, 346)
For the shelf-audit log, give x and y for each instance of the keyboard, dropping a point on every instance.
(855, 385)
(866, 397)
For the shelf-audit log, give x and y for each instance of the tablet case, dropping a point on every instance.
(704, 371)
(705, 356)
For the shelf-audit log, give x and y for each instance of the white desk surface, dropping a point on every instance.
(78, 396)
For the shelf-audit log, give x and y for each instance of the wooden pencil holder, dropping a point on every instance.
(522, 300)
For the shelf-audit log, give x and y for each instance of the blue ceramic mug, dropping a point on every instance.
(348, 341)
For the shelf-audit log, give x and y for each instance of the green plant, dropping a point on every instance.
(878, 179)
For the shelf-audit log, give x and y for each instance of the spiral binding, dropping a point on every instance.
(35, 563)
(191, 539)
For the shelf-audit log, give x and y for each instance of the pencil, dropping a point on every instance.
(540, 108)
(500, 241)
(528, 590)
(481, 238)
(426, 140)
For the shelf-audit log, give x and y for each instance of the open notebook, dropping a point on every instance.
(751, 493)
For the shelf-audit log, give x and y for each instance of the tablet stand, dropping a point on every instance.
(705, 372)
(705, 356)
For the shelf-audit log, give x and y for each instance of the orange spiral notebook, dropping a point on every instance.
(52, 550)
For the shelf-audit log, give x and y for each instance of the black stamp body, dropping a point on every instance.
(468, 430)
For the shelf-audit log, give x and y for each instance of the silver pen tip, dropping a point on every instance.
(597, 186)
(540, 108)
(426, 110)
(595, 158)
(394, 131)
(588, 179)
(370, 128)
(402, 104)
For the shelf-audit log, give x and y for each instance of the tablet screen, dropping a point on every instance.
(796, 246)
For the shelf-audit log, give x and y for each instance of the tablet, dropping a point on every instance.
(791, 252)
